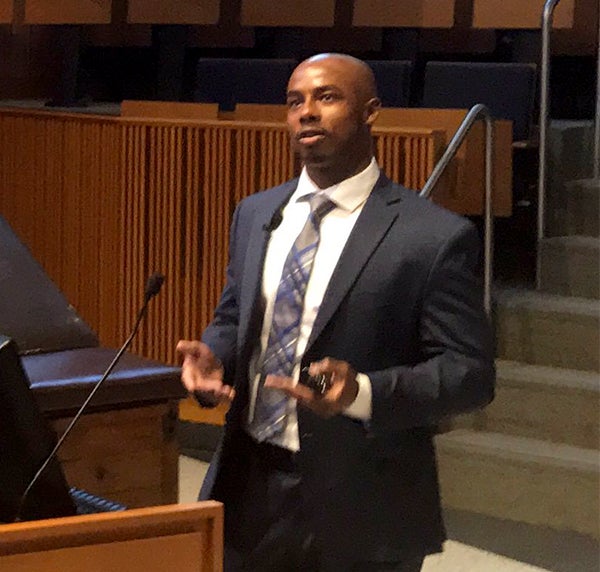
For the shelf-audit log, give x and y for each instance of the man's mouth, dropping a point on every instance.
(310, 136)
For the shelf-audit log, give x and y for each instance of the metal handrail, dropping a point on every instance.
(472, 116)
(597, 120)
(547, 14)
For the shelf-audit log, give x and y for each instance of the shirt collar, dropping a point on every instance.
(348, 194)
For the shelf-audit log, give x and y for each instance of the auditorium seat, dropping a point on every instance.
(228, 81)
(393, 79)
(507, 89)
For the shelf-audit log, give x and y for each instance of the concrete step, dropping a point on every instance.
(570, 158)
(583, 207)
(576, 211)
(546, 403)
(520, 479)
(545, 329)
(570, 266)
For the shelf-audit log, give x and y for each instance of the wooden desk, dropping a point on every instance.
(516, 14)
(6, 11)
(169, 109)
(124, 448)
(186, 538)
(404, 14)
(198, 12)
(308, 13)
(68, 11)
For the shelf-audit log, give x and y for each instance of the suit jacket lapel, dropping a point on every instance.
(377, 216)
(258, 239)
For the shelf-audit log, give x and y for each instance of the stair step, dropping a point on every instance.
(570, 266)
(521, 479)
(546, 403)
(546, 329)
(575, 210)
(570, 158)
(583, 207)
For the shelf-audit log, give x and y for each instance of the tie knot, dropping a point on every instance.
(320, 205)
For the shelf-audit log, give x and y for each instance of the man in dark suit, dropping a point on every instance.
(369, 296)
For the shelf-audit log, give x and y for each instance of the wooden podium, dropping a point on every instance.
(171, 537)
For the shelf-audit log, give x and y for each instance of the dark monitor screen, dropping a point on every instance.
(25, 442)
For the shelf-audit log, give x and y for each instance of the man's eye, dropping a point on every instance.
(293, 103)
(327, 97)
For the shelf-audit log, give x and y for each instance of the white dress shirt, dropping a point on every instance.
(349, 196)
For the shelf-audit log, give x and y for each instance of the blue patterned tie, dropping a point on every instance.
(271, 407)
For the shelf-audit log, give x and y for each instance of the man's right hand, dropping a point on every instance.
(202, 374)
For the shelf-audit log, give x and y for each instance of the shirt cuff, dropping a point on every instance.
(361, 406)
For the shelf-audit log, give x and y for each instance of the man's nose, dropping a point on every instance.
(309, 110)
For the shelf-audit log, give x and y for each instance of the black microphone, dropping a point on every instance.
(153, 286)
(275, 220)
(277, 215)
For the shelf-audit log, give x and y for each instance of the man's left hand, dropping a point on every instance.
(340, 394)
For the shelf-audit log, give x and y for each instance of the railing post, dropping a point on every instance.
(544, 98)
(597, 120)
(488, 236)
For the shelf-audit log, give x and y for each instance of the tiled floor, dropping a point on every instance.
(477, 543)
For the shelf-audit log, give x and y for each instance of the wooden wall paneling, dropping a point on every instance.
(110, 234)
(191, 240)
(209, 271)
(173, 11)
(169, 109)
(515, 14)
(53, 197)
(462, 185)
(67, 11)
(75, 274)
(288, 13)
(408, 157)
(405, 14)
(6, 11)
(153, 236)
(62, 197)
(582, 38)
(259, 112)
(152, 195)
(134, 223)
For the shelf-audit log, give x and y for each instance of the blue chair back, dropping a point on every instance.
(228, 81)
(507, 89)
(393, 79)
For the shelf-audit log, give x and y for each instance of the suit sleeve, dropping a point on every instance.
(221, 334)
(454, 371)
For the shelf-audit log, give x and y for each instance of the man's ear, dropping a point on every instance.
(372, 108)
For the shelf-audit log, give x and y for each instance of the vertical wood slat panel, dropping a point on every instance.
(55, 197)
(129, 197)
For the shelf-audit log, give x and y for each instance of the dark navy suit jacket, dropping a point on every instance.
(404, 306)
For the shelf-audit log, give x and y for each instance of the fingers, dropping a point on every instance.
(341, 391)
(195, 349)
(202, 373)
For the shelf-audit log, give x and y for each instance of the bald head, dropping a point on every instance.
(332, 104)
(355, 70)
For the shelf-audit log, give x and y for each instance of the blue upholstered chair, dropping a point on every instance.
(228, 81)
(393, 79)
(507, 89)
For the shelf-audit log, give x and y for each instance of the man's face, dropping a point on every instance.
(327, 114)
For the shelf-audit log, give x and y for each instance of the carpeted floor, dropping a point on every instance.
(477, 543)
